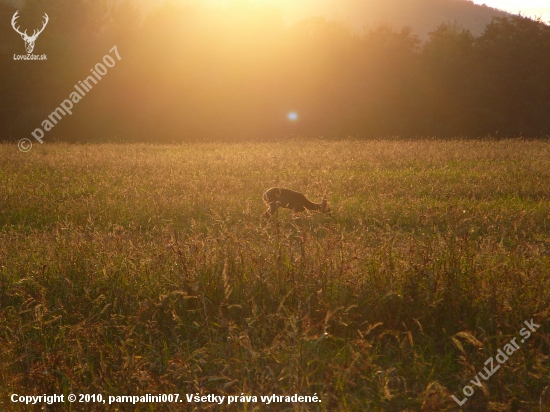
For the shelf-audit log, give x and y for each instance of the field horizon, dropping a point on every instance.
(134, 269)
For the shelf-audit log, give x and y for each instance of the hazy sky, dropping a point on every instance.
(531, 8)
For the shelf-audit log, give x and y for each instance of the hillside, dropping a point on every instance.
(422, 16)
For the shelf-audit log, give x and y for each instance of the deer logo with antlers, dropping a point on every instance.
(29, 40)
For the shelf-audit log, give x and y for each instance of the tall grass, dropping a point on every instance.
(134, 269)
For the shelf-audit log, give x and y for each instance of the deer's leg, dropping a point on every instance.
(273, 206)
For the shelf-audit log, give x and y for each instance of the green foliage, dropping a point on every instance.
(133, 269)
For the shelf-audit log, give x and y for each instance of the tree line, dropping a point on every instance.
(191, 73)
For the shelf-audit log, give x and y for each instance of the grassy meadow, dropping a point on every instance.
(132, 269)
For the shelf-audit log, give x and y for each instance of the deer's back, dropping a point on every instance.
(285, 197)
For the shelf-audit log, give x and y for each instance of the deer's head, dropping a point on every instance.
(29, 40)
(325, 208)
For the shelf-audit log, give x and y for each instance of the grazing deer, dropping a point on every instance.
(277, 197)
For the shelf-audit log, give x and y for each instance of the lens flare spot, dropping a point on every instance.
(293, 116)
